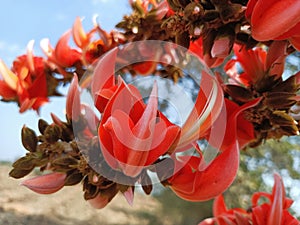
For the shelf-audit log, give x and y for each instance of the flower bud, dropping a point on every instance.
(52, 133)
(29, 139)
(42, 126)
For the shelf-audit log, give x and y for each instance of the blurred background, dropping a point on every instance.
(22, 21)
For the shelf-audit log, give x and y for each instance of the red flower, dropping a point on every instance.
(275, 20)
(91, 48)
(25, 82)
(62, 56)
(274, 212)
(224, 216)
(257, 64)
(133, 135)
(196, 180)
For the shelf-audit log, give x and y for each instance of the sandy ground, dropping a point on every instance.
(20, 206)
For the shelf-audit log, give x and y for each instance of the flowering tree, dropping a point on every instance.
(120, 130)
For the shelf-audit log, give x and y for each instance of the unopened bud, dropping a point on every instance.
(52, 133)
(73, 178)
(146, 183)
(42, 126)
(29, 139)
(282, 118)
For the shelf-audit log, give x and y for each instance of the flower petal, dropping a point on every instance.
(259, 215)
(276, 58)
(219, 206)
(66, 56)
(210, 182)
(283, 13)
(73, 100)
(99, 201)
(221, 47)
(104, 72)
(46, 184)
(46, 47)
(207, 108)
(30, 57)
(278, 194)
(129, 195)
(79, 35)
(6, 92)
(9, 77)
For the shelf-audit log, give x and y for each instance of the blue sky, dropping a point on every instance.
(22, 21)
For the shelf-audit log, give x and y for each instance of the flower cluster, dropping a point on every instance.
(273, 211)
(114, 144)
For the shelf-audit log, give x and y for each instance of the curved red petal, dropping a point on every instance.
(147, 120)
(6, 92)
(103, 76)
(278, 197)
(46, 184)
(102, 98)
(207, 108)
(215, 179)
(294, 31)
(252, 62)
(250, 6)
(212, 181)
(79, 35)
(221, 47)
(9, 77)
(219, 206)
(276, 58)
(283, 13)
(163, 139)
(126, 98)
(260, 214)
(73, 107)
(66, 56)
(237, 127)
